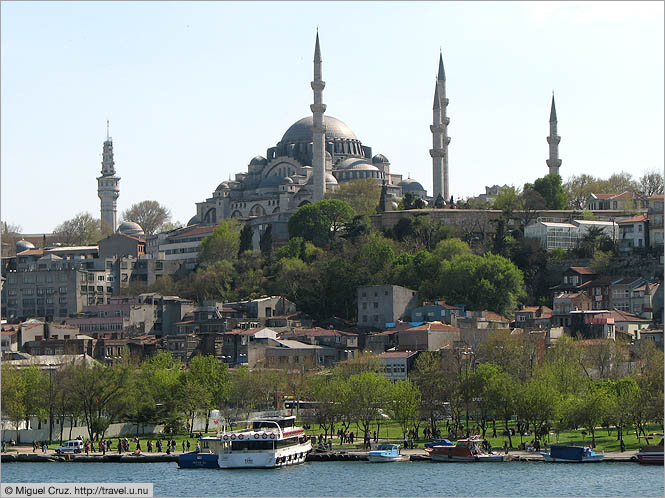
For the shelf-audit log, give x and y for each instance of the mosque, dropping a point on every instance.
(315, 155)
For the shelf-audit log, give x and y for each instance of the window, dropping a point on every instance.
(50, 291)
(41, 291)
(12, 292)
(364, 304)
(29, 292)
(63, 290)
(63, 300)
(29, 279)
(376, 305)
(100, 278)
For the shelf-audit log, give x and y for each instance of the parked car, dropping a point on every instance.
(75, 446)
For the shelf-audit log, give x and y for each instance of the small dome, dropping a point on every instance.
(194, 220)
(330, 179)
(362, 166)
(380, 158)
(410, 185)
(287, 181)
(223, 186)
(354, 163)
(130, 228)
(258, 161)
(23, 245)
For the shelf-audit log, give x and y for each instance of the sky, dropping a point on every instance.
(194, 90)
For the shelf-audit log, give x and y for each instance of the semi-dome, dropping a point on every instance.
(193, 221)
(353, 163)
(410, 185)
(362, 166)
(23, 245)
(258, 160)
(130, 228)
(380, 158)
(271, 181)
(301, 131)
(223, 186)
(330, 179)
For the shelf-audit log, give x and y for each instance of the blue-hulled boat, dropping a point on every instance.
(198, 460)
(571, 454)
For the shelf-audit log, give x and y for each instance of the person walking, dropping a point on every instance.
(183, 445)
(44, 447)
(188, 445)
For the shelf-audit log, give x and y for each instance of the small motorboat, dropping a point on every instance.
(439, 442)
(466, 450)
(651, 454)
(571, 454)
(198, 460)
(386, 453)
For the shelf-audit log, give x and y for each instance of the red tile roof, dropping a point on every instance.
(31, 252)
(583, 270)
(624, 316)
(433, 326)
(634, 219)
(194, 231)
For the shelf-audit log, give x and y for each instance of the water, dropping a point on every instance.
(404, 479)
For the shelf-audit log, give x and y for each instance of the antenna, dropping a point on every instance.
(107, 129)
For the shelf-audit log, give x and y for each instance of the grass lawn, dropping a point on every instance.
(391, 430)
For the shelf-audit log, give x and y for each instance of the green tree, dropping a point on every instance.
(215, 379)
(100, 389)
(222, 245)
(489, 282)
(36, 393)
(246, 234)
(362, 195)
(212, 282)
(405, 404)
(321, 221)
(538, 402)
(265, 243)
(552, 190)
(589, 409)
(81, 230)
(428, 376)
(507, 200)
(150, 215)
(13, 395)
(368, 393)
(439, 203)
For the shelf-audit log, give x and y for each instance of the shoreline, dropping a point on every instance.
(415, 455)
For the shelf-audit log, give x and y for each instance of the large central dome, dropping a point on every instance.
(301, 131)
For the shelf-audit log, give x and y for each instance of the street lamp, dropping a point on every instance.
(50, 401)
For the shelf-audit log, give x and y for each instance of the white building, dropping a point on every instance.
(567, 235)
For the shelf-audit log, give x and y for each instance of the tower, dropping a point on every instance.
(318, 128)
(553, 162)
(107, 185)
(440, 138)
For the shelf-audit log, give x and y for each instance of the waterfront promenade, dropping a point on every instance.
(414, 454)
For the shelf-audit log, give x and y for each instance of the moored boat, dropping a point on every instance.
(651, 454)
(386, 453)
(264, 443)
(198, 460)
(571, 454)
(466, 450)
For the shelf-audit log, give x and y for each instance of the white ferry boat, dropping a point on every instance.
(264, 443)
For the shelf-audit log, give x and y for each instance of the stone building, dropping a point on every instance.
(108, 188)
(379, 305)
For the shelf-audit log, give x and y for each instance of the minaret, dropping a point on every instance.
(440, 138)
(107, 185)
(553, 162)
(318, 128)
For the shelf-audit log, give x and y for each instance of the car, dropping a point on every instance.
(439, 442)
(75, 446)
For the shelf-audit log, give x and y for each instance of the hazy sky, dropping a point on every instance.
(194, 90)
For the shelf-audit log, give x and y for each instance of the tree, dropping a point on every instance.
(222, 245)
(81, 230)
(362, 195)
(150, 215)
(552, 190)
(213, 282)
(265, 244)
(439, 203)
(588, 409)
(537, 402)
(368, 393)
(428, 376)
(530, 202)
(13, 394)
(579, 188)
(246, 239)
(321, 221)
(36, 393)
(11, 234)
(101, 390)
(489, 282)
(215, 380)
(507, 200)
(405, 404)
(651, 182)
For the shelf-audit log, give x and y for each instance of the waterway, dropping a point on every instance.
(404, 479)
